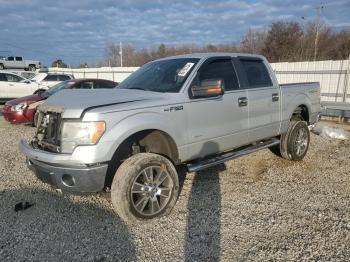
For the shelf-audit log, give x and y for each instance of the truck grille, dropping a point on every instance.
(48, 132)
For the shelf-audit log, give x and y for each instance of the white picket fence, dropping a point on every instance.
(333, 76)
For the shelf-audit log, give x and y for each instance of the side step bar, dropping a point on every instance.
(203, 164)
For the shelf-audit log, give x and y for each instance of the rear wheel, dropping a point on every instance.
(295, 143)
(145, 186)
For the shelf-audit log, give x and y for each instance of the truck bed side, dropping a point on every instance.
(294, 95)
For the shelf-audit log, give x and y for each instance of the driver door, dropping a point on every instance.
(220, 123)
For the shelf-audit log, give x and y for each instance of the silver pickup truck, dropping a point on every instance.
(17, 62)
(196, 110)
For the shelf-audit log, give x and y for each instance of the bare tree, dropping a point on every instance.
(254, 41)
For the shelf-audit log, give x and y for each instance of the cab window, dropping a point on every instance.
(222, 69)
(256, 73)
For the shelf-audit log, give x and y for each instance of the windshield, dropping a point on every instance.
(59, 86)
(161, 76)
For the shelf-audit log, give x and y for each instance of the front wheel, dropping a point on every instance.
(145, 186)
(2, 67)
(295, 143)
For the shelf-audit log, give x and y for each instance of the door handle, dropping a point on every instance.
(10, 84)
(275, 97)
(242, 101)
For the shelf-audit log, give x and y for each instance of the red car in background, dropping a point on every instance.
(22, 110)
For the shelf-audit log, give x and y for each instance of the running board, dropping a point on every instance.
(216, 160)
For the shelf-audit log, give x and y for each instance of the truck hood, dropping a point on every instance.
(74, 102)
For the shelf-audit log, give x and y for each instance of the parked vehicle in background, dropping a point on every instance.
(17, 62)
(22, 110)
(13, 86)
(25, 74)
(46, 80)
(197, 110)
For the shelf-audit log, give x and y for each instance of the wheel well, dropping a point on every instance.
(152, 141)
(301, 113)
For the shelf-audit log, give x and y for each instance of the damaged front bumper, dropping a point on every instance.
(58, 170)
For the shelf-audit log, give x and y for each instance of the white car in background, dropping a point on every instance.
(46, 80)
(14, 86)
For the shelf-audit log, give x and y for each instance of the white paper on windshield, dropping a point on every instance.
(185, 69)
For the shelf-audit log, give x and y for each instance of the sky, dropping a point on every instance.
(78, 31)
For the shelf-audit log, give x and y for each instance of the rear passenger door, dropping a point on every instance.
(263, 98)
(218, 123)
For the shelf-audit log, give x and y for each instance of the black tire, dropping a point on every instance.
(32, 68)
(294, 143)
(2, 67)
(135, 193)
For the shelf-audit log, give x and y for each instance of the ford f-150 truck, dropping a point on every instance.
(197, 110)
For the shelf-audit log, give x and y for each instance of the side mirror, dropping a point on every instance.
(208, 88)
(27, 81)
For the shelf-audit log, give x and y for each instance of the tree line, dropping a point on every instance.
(280, 42)
(283, 41)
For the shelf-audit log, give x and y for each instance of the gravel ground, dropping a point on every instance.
(258, 207)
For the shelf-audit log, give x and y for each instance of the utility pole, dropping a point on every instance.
(318, 21)
(121, 53)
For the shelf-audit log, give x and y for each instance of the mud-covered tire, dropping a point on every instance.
(294, 143)
(132, 187)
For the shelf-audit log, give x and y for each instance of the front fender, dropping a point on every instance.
(144, 121)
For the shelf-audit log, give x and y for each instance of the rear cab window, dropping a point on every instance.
(255, 73)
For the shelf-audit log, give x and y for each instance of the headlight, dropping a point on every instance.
(18, 108)
(80, 133)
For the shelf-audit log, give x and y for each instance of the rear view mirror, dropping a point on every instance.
(208, 88)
